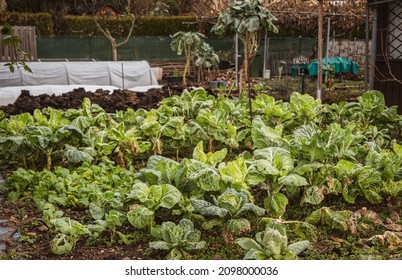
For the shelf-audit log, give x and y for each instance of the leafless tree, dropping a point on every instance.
(209, 8)
(102, 22)
(302, 15)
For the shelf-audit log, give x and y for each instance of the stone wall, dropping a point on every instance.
(352, 49)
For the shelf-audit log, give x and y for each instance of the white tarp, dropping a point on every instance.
(8, 95)
(127, 74)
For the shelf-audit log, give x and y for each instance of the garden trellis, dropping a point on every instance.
(386, 70)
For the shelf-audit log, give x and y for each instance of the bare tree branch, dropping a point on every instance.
(389, 76)
(105, 30)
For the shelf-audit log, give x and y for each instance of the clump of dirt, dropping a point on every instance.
(120, 99)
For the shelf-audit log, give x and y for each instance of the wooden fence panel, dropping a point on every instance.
(28, 44)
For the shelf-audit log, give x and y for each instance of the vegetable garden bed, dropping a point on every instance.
(194, 178)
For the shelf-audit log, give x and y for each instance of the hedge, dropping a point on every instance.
(42, 21)
(162, 26)
(58, 24)
(69, 25)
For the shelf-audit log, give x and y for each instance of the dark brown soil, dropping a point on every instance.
(124, 99)
(110, 102)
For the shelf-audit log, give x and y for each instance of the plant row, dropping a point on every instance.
(307, 129)
(299, 151)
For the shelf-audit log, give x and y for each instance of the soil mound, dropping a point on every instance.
(121, 99)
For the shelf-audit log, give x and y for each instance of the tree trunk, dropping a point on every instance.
(114, 50)
(106, 32)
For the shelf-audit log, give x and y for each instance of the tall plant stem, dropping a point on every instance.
(186, 68)
(49, 159)
(249, 102)
(250, 106)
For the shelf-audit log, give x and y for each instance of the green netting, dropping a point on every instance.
(98, 48)
(155, 49)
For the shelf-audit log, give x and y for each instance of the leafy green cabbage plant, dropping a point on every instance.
(272, 167)
(229, 210)
(271, 244)
(69, 232)
(247, 19)
(177, 239)
(150, 199)
(187, 43)
(334, 219)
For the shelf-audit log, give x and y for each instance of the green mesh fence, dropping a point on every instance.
(98, 48)
(157, 49)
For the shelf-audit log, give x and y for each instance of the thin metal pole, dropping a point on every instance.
(122, 74)
(268, 40)
(300, 45)
(367, 43)
(327, 48)
(265, 53)
(236, 61)
(373, 47)
(319, 49)
(333, 43)
(299, 68)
